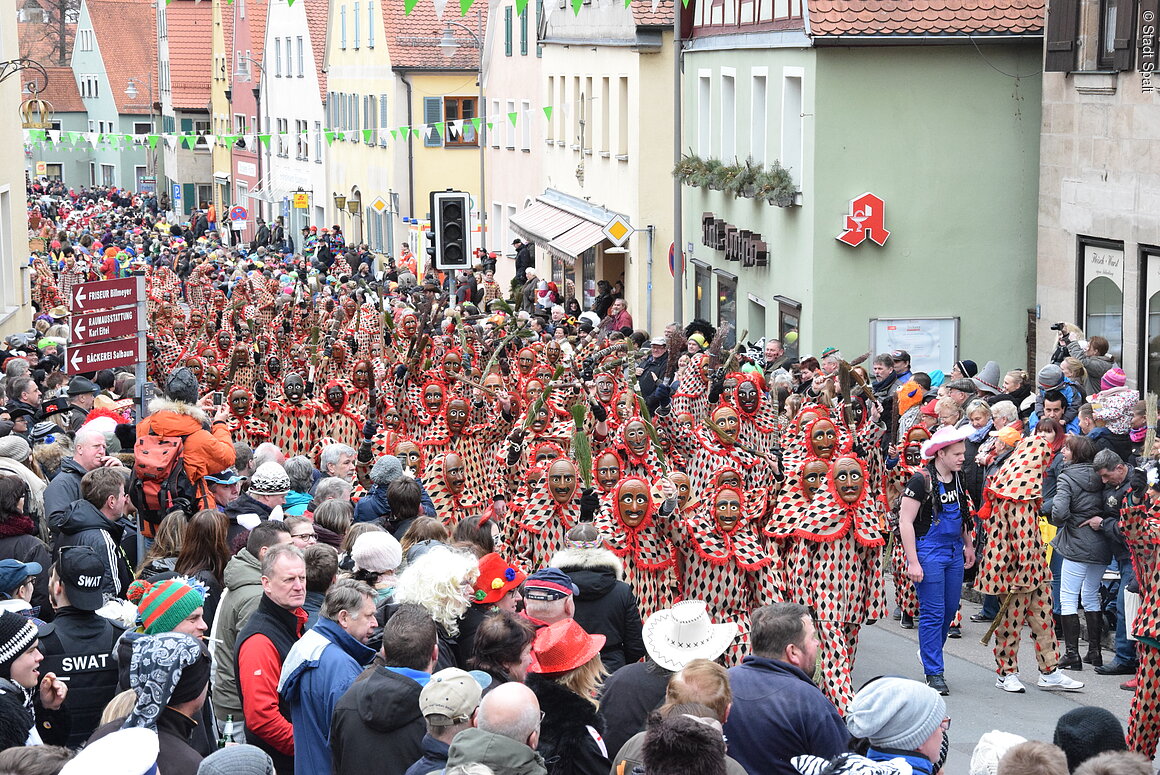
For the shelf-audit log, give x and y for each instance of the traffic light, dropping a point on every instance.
(451, 225)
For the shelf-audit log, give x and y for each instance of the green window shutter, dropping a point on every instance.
(524, 32)
(187, 195)
(432, 113)
(539, 18)
(507, 30)
(187, 125)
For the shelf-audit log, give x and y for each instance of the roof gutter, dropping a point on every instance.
(920, 40)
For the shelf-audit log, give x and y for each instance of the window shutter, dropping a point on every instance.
(524, 32)
(187, 125)
(383, 120)
(1062, 31)
(507, 30)
(539, 21)
(1123, 53)
(432, 113)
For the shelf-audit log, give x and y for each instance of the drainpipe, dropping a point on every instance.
(410, 148)
(648, 307)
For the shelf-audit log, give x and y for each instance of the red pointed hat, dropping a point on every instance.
(496, 579)
(564, 646)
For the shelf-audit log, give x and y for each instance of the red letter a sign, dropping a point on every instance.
(866, 220)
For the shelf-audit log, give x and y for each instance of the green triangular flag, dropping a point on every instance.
(342, 136)
(576, 6)
(38, 134)
(394, 134)
(408, 6)
(367, 133)
(513, 116)
(442, 127)
(406, 130)
(73, 137)
(153, 141)
(464, 7)
(520, 6)
(548, 112)
(490, 126)
(265, 140)
(127, 138)
(329, 135)
(476, 122)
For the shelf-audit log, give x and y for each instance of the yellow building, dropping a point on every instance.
(15, 310)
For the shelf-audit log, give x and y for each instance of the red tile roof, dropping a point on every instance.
(256, 16)
(316, 12)
(413, 40)
(925, 17)
(127, 55)
(190, 33)
(644, 15)
(62, 92)
(39, 42)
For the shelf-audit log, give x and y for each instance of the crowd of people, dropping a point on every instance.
(379, 517)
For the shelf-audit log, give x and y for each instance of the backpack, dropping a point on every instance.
(159, 484)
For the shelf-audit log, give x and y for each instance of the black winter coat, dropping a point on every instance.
(630, 695)
(377, 726)
(605, 605)
(567, 745)
(81, 648)
(26, 547)
(85, 525)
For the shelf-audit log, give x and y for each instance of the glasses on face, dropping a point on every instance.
(946, 724)
(305, 536)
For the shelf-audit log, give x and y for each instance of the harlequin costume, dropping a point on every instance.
(1140, 526)
(446, 483)
(549, 513)
(628, 521)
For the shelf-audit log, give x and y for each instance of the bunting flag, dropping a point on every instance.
(513, 116)
(520, 6)
(547, 112)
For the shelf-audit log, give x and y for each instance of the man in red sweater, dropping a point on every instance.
(263, 645)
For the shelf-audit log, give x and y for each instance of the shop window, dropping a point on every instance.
(1101, 292)
(727, 306)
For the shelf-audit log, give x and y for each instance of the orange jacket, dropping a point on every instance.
(205, 452)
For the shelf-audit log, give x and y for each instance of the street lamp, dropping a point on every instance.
(448, 45)
(131, 91)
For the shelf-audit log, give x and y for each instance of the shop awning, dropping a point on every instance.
(577, 239)
(542, 222)
(269, 190)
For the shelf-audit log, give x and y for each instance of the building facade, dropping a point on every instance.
(872, 248)
(15, 301)
(248, 158)
(1099, 205)
(184, 38)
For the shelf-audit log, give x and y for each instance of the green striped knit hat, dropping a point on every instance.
(164, 605)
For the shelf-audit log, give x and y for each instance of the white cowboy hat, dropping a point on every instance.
(675, 636)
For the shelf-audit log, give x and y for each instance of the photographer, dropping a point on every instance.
(1093, 354)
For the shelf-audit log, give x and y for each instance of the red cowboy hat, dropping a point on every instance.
(564, 646)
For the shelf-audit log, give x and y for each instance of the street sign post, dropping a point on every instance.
(94, 326)
(106, 355)
(106, 294)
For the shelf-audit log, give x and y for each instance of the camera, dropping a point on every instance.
(1058, 326)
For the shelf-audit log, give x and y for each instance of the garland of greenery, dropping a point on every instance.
(747, 179)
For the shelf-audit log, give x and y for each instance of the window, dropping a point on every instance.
(758, 109)
(507, 30)
(460, 109)
(318, 142)
(728, 116)
(622, 120)
(525, 125)
(1101, 292)
(509, 130)
(201, 128)
(240, 124)
(494, 115)
(432, 114)
(727, 305)
(703, 299)
(277, 57)
(142, 128)
(704, 115)
(301, 60)
(342, 26)
(605, 115)
(577, 111)
(282, 129)
(108, 175)
(357, 22)
(249, 63)
(539, 19)
(384, 120)
(300, 129)
(241, 6)
(551, 121)
(588, 108)
(524, 32)
(791, 123)
(370, 23)
(1117, 30)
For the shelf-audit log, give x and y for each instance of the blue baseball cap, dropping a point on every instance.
(549, 584)
(13, 573)
(229, 476)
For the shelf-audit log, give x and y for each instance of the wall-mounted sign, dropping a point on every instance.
(301, 201)
(865, 220)
(740, 245)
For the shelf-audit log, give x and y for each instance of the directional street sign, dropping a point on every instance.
(105, 294)
(103, 325)
(106, 355)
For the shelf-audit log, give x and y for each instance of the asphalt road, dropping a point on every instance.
(976, 705)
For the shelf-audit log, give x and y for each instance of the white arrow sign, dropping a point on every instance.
(79, 297)
(74, 361)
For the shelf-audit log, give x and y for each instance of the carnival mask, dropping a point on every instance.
(433, 398)
(391, 418)
(274, 365)
(553, 352)
(608, 470)
(684, 487)
(213, 376)
(456, 414)
(633, 501)
(913, 454)
(636, 437)
(540, 423)
(605, 387)
(295, 388)
(727, 510)
(454, 473)
(747, 396)
(223, 340)
(338, 353)
(814, 475)
(562, 481)
(453, 363)
(493, 382)
(727, 424)
(335, 396)
(685, 422)
(409, 455)
(546, 452)
(362, 375)
(194, 365)
(849, 479)
(240, 403)
(727, 477)
(409, 325)
(525, 361)
(823, 438)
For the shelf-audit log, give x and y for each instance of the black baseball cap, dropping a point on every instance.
(84, 575)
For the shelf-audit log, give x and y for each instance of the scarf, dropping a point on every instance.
(977, 436)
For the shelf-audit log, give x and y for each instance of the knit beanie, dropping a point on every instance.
(1050, 377)
(895, 713)
(182, 386)
(1084, 732)
(270, 479)
(164, 605)
(990, 749)
(377, 552)
(17, 634)
(387, 469)
(1113, 378)
(14, 447)
(237, 760)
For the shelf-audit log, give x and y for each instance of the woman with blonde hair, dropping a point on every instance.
(1074, 370)
(566, 679)
(441, 581)
(162, 555)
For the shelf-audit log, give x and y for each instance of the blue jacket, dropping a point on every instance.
(778, 713)
(317, 672)
(434, 757)
(374, 505)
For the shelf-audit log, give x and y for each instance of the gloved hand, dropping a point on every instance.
(1138, 484)
(260, 390)
(370, 428)
(400, 371)
(589, 504)
(387, 337)
(663, 394)
(598, 411)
